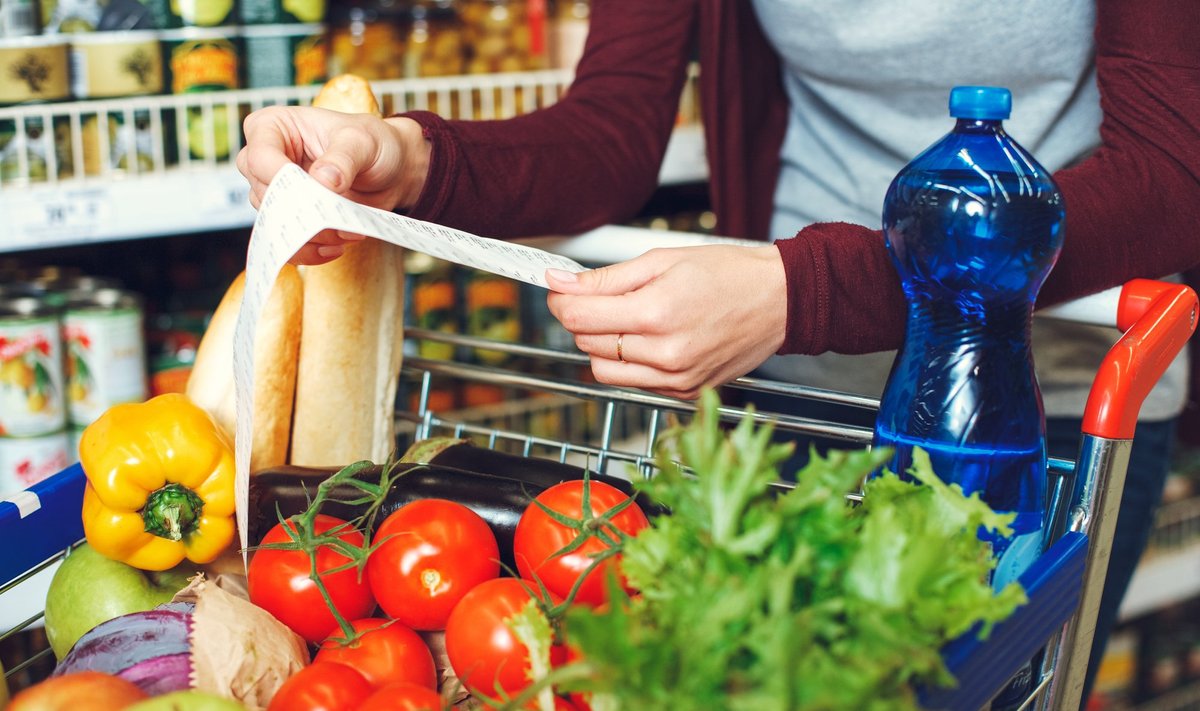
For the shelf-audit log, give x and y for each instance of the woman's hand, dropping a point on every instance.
(373, 161)
(683, 318)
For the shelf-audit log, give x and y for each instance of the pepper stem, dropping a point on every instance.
(172, 512)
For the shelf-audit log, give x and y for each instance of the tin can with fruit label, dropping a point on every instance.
(201, 60)
(31, 376)
(112, 64)
(34, 69)
(106, 353)
(493, 312)
(130, 144)
(19, 18)
(74, 435)
(196, 59)
(35, 155)
(285, 55)
(24, 461)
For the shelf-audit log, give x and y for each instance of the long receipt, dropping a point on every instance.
(295, 208)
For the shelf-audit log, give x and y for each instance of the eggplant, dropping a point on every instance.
(461, 454)
(499, 499)
(151, 649)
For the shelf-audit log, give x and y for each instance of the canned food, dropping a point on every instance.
(108, 64)
(106, 353)
(31, 377)
(172, 342)
(493, 312)
(204, 13)
(69, 16)
(200, 60)
(434, 302)
(54, 288)
(19, 18)
(34, 69)
(285, 55)
(74, 434)
(273, 12)
(24, 461)
(25, 157)
(130, 143)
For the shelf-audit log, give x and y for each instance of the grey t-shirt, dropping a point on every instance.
(868, 83)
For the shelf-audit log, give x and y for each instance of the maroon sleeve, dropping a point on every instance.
(590, 159)
(1133, 206)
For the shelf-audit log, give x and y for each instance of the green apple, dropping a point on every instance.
(88, 589)
(187, 701)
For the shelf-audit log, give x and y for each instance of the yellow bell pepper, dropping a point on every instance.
(159, 484)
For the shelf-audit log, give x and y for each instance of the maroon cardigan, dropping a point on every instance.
(1133, 206)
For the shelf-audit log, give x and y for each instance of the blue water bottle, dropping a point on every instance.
(974, 225)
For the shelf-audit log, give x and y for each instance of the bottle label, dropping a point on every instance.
(1014, 556)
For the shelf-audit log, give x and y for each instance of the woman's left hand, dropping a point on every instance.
(673, 321)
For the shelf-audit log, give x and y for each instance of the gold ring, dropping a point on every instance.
(620, 353)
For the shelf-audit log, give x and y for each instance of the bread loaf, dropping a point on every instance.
(350, 347)
(276, 345)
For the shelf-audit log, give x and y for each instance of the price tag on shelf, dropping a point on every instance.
(62, 215)
(295, 208)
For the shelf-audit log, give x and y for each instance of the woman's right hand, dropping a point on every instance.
(373, 161)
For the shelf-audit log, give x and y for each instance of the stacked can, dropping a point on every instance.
(33, 420)
(103, 336)
(33, 69)
(285, 42)
(202, 55)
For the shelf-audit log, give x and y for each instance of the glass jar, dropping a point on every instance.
(435, 40)
(367, 38)
(505, 35)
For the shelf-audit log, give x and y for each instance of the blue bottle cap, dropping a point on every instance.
(980, 102)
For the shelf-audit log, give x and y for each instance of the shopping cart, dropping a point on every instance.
(567, 418)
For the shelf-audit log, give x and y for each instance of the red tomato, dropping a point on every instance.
(385, 653)
(482, 649)
(322, 686)
(539, 537)
(433, 551)
(403, 696)
(279, 583)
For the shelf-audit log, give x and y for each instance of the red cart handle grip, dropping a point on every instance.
(1158, 318)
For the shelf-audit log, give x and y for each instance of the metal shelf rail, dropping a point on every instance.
(91, 171)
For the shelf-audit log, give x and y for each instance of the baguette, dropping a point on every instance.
(276, 345)
(350, 347)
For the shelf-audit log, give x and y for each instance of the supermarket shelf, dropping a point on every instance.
(71, 186)
(176, 202)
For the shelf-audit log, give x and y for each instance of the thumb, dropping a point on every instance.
(348, 153)
(605, 281)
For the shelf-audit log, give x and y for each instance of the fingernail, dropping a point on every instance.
(562, 275)
(330, 250)
(328, 175)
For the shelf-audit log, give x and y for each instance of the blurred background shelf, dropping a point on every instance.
(164, 165)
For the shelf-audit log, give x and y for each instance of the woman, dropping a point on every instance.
(805, 123)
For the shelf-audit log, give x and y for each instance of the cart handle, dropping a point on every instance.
(1158, 318)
